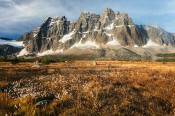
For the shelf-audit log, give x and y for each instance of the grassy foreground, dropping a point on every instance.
(88, 88)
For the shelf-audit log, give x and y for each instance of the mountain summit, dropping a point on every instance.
(91, 31)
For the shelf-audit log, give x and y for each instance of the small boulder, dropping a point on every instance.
(36, 66)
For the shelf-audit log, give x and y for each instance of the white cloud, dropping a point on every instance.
(19, 16)
(16, 15)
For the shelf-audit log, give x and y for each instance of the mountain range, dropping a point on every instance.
(112, 35)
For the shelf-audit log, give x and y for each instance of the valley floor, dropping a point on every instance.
(92, 88)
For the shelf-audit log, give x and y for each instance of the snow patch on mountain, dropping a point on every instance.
(54, 21)
(96, 28)
(113, 43)
(67, 37)
(150, 43)
(108, 34)
(136, 46)
(35, 34)
(110, 27)
(130, 26)
(118, 26)
(46, 53)
(35, 31)
(86, 44)
(50, 52)
(23, 52)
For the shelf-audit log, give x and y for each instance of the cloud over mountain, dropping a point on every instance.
(19, 16)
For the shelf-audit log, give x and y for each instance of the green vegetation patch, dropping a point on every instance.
(166, 55)
(169, 57)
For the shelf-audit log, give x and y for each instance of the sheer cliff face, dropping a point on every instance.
(94, 31)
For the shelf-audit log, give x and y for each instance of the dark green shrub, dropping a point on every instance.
(3, 59)
(45, 61)
(14, 61)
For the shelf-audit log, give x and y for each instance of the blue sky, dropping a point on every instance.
(20, 16)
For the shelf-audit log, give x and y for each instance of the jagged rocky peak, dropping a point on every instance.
(46, 36)
(50, 21)
(106, 30)
(85, 14)
(57, 26)
(107, 16)
(86, 21)
(123, 19)
(117, 18)
(54, 21)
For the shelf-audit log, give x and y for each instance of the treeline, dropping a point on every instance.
(169, 57)
(44, 60)
(166, 55)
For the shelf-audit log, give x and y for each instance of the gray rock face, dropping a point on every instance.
(91, 30)
(7, 50)
(159, 36)
(46, 36)
(107, 17)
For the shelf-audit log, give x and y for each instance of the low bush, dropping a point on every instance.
(3, 59)
(45, 61)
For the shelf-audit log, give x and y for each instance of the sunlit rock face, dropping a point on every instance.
(111, 29)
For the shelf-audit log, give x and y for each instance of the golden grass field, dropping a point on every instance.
(88, 88)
